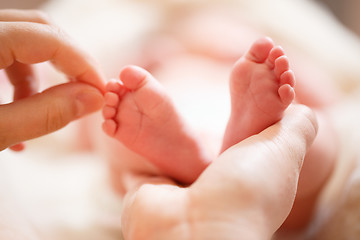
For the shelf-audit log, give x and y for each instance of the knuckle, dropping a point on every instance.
(58, 33)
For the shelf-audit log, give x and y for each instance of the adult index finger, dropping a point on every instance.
(19, 15)
(30, 43)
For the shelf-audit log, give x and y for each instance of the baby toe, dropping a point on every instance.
(274, 54)
(109, 126)
(287, 94)
(108, 112)
(281, 65)
(133, 77)
(260, 50)
(113, 86)
(111, 99)
(288, 77)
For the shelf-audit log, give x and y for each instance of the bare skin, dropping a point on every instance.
(140, 115)
(233, 198)
(261, 87)
(28, 37)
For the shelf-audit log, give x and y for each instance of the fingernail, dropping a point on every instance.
(88, 101)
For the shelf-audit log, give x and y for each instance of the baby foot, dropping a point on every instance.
(261, 87)
(139, 114)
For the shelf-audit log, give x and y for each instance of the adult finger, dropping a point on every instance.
(21, 75)
(23, 79)
(25, 84)
(17, 15)
(30, 43)
(46, 112)
(259, 175)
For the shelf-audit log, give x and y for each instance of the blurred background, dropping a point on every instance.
(67, 193)
(345, 10)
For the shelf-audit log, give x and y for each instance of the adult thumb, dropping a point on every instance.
(46, 112)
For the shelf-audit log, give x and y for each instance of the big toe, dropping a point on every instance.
(260, 50)
(133, 77)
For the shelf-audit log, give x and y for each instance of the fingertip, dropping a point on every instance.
(18, 147)
(88, 101)
(94, 79)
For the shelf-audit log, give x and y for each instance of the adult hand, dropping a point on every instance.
(28, 37)
(246, 193)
